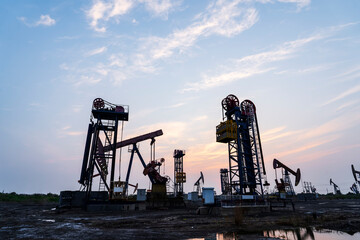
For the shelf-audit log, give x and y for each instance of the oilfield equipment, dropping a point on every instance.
(336, 187)
(354, 188)
(100, 151)
(199, 183)
(224, 180)
(240, 131)
(356, 185)
(309, 188)
(179, 174)
(285, 185)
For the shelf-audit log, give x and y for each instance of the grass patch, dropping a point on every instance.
(37, 197)
(343, 196)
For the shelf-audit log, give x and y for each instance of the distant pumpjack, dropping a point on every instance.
(309, 188)
(285, 184)
(336, 187)
(356, 185)
(354, 188)
(241, 132)
(179, 174)
(199, 183)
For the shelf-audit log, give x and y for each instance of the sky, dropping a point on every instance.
(173, 62)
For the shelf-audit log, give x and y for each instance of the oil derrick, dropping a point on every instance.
(102, 133)
(241, 133)
(179, 174)
(285, 184)
(336, 187)
(224, 180)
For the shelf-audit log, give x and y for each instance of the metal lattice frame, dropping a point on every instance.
(178, 172)
(246, 168)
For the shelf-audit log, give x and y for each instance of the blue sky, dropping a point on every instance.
(173, 62)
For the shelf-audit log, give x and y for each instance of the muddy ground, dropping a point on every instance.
(42, 221)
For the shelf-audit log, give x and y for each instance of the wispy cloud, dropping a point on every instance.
(342, 95)
(66, 131)
(104, 11)
(97, 51)
(45, 20)
(300, 3)
(87, 80)
(221, 18)
(161, 8)
(349, 74)
(258, 63)
(277, 133)
(347, 104)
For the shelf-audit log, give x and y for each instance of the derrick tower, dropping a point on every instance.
(102, 134)
(240, 131)
(179, 174)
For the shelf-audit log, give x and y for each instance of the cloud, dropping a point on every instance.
(300, 3)
(87, 80)
(104, 11)
(342, 95)
(347, 104)
(308, 146)
(255, 64)
(222, 18)
(97, 51)
(160, 8)
(45, 20)
(277, 133)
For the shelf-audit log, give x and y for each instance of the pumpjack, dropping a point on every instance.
(355, 186)
(100, 152)
(336, 187)
(285, 184)
(199, 183)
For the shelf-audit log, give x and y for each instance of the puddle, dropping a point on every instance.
(309, 234)
(48, 220)
(293, 234)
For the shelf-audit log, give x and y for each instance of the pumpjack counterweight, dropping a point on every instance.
(241, 132)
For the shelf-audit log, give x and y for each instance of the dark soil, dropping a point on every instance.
(42, 221)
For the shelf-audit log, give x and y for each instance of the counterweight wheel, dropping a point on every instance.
(248, 107)
(98, 103)
(230, 102)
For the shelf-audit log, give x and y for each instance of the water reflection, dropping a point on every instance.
(296, 234)
(291, 234)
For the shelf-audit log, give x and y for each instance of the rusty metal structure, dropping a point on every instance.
(102, 133)
(179, 174)
(285, 184)
(240, 131)
(100, 151)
